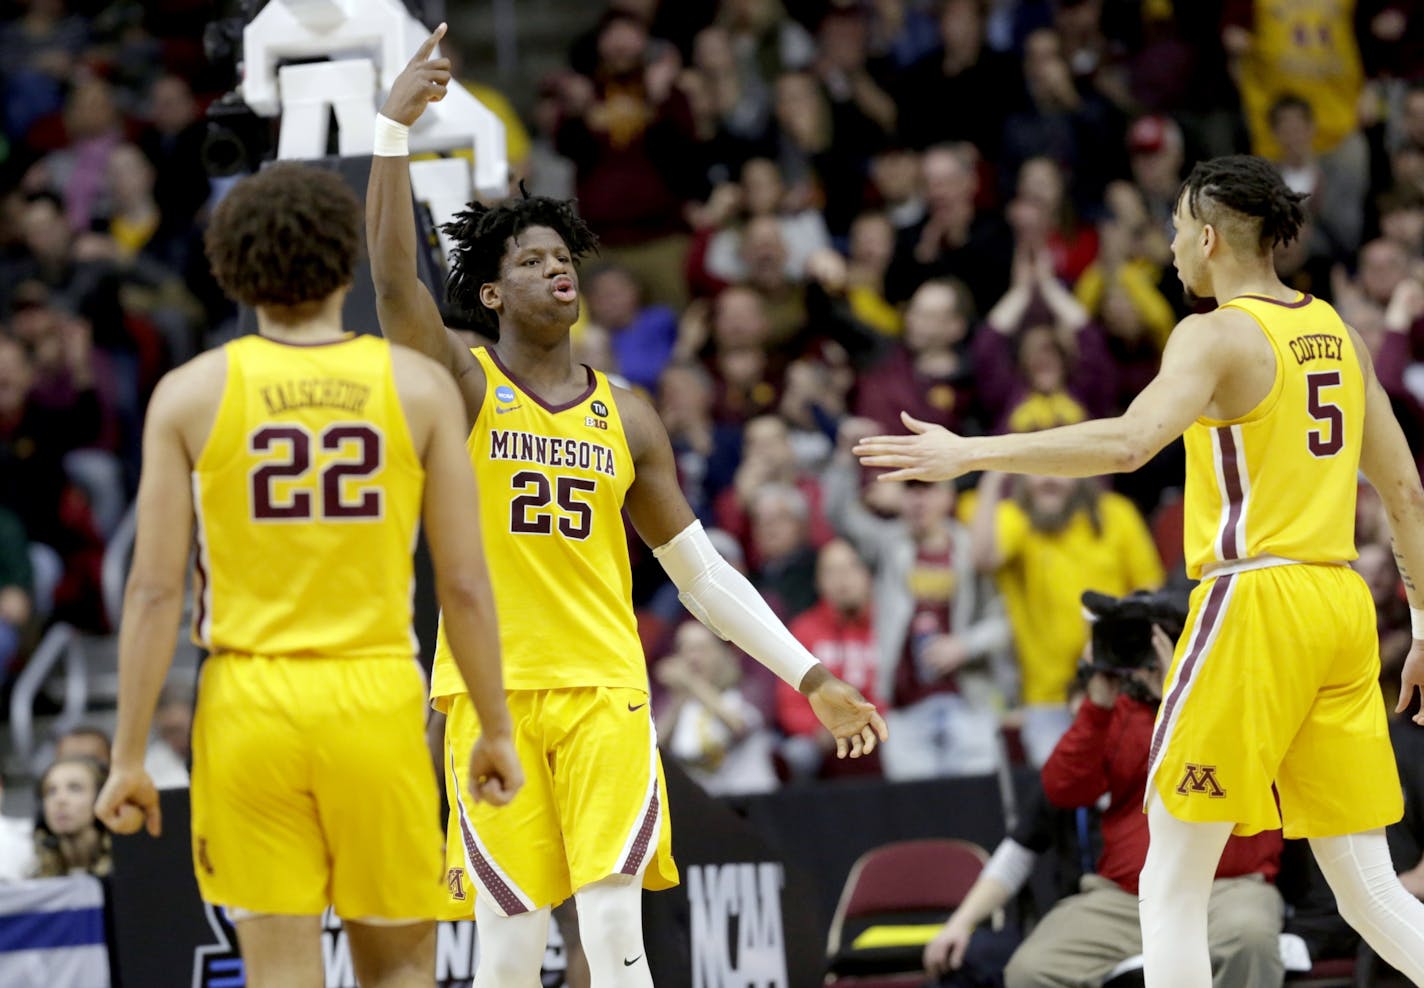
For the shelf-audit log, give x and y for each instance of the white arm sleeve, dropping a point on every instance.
(724, 600)
(1010, 865)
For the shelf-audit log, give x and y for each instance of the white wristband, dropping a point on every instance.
(392, 139)
(1416, 622)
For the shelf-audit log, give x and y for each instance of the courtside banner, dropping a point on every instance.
(760, 879)
(52, 933)
(742, 916)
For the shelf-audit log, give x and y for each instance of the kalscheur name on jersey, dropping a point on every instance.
(321, 392)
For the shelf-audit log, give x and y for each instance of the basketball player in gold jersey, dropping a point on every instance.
(559, 451)
(305, 457)
(1276, 679)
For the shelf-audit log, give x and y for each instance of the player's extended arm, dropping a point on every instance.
(723, 599)
(153, 606)
(1181, 391)
(407, 312)
(1386, 461)
(451, 517)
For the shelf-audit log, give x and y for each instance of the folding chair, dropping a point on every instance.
(894, 899)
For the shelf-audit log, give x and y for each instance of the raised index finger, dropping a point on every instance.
(428, 46)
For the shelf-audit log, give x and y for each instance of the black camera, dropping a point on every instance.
(1122, 626)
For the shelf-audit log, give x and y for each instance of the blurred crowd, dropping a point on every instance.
(815, 214)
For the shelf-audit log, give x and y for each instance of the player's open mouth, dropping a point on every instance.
(564, 289)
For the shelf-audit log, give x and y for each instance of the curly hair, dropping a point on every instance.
(479, 234)
(285, 238)
(1247, 197)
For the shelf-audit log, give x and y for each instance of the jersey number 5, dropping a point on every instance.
(363, 456)
(1325, 412)
(526, 512)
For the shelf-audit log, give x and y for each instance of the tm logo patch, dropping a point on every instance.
(600, 409)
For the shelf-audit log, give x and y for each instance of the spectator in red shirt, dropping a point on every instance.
(840, 631)
(1086, 935)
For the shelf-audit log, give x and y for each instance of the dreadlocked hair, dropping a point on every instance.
(1251, 188)
(479, 234)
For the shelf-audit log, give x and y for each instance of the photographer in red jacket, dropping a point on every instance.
(1105, 752)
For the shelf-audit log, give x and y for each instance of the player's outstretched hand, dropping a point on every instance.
(850, 717)
(128, 801)
(421, 82)
(1412, 681)
(495, 773)
(930, 453)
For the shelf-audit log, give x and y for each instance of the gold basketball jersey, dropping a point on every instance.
(1280, 481)
(308, 496)
(552, 480)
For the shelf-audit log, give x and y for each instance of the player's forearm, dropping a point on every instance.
(1087, 449)
(726, 602)
(147, 637)
(739, 613)
(390, 233)
(1406, 524)
(473, 632)
(390, 225)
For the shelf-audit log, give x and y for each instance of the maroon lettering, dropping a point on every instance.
(368, 502)
(1326, 412)
(335, 477)
(265, 504)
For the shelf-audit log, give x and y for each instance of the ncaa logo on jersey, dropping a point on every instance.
(504, 393)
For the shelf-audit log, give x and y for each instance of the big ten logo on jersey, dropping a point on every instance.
(599, 418)
(737, 933)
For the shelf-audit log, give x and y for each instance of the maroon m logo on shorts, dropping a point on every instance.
(1200, 778)
(203, 861)
(455, 882)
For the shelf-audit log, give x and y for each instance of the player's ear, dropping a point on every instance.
(489, 295)
(1208, 239)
